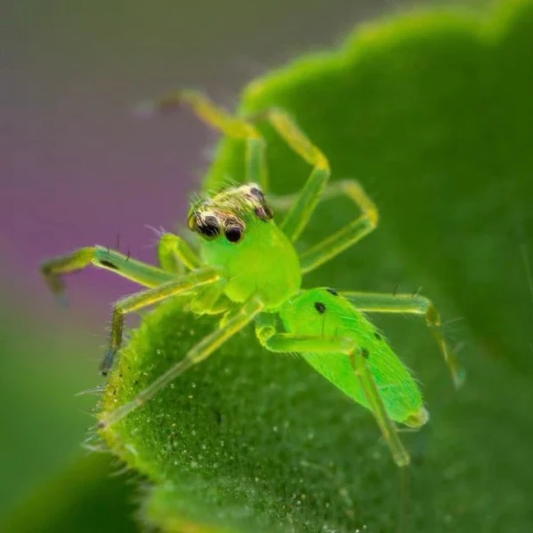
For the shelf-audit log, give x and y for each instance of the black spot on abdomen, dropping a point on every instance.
(320, 307)
(332, 291)
(365, 353)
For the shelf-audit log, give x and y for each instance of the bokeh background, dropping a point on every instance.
(78, 169)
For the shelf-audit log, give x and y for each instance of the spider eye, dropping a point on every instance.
(208, 227)
(264, 213)
(234, 233)
(255, 191)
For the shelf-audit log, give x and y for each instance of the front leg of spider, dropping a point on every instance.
(143, 299)
(242, 316)
(54, 270)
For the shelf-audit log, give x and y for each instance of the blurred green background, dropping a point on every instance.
(77, 170)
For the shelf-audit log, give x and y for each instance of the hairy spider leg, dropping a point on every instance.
(140, 300)
(101, 257)
(372, 302)
(161, 284)
(173, 251)
(351, 234)
(221, 120)
(239, 319)
(242, 128)
(302, 209)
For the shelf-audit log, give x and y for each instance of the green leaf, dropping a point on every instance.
(85, 497)
(432, 113)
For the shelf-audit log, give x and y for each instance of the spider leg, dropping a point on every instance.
(302, 209)
(364, 223)
(173, 253)
(149, 297)
(245, 314)
(353, 232)
(221, 120)
(54, 269)
(411, 304)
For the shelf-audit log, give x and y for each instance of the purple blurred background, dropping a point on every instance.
(78, 169)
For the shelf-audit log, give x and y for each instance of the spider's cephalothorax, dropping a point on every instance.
(246, 269)
(239, 235)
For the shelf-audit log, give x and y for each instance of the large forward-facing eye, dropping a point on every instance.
(234, 233)
(208, 227)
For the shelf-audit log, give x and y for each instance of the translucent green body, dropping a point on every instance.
(320, 310)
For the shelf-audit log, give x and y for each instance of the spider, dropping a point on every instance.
(247, 271)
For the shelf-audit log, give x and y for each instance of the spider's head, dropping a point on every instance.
(239, 236)
(228, 214)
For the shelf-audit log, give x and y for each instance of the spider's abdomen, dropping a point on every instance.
(323, 313)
